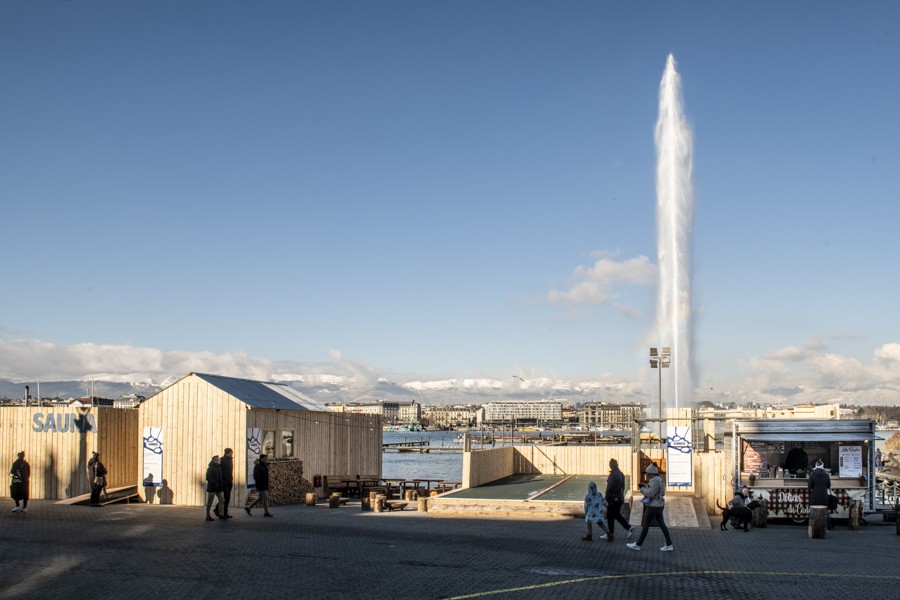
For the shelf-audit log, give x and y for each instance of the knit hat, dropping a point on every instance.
(651, 470)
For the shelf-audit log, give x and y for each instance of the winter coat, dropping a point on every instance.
(95, 470)
(227, 472)
(21, 473)
(615, 486)
(261, 476)
(655, 491)
(214, 477)
(593, 505)
(819, 484)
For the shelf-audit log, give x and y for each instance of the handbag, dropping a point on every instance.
(98, 482)
(832, 502)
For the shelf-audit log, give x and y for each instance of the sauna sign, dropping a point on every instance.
(63, 423)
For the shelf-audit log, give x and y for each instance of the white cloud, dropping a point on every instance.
(597, 284)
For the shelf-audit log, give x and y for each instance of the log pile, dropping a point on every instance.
(286, 483)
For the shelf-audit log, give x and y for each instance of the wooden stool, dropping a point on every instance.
(334, 500)
(856, 508)
(760, 515)
(410, 495)
(311, 499)
(422, 504)
(379, 503)
(818, 522)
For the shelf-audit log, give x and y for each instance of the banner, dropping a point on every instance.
(253, 446)
(153, 456)
(679, 469)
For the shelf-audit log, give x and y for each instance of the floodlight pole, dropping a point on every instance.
(659, 361)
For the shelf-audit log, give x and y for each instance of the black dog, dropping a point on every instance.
(739, 515)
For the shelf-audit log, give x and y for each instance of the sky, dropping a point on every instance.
(432, 196)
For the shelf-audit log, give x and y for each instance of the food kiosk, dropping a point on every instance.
(774, 457)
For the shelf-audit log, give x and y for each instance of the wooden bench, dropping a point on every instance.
(333, 483)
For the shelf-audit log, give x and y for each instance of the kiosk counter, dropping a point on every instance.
(774, 457)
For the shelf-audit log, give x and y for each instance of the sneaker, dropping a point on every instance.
(209, 518)
(602, 537)
(633, 546)
(630, 533)
(24, 510)
(610, 538)
(268, 515)
(586, 538)
(667, 548)
(17, 509)
(248, 511)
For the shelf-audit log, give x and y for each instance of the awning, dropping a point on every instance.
(817, 436)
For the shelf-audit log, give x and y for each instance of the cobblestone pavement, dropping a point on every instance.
(166, 552)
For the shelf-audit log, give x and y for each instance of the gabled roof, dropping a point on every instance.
(263, 394)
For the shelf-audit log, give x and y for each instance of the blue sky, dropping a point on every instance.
(406, 189)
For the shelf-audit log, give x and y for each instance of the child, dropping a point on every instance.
(594, 512)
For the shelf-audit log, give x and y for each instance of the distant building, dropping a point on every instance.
(460, 415)
(608, 415)
(128, 401)
(390, 412)
(523, 411)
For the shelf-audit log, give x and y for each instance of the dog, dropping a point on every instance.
(739, 515)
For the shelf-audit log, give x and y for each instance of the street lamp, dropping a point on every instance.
(659, 361)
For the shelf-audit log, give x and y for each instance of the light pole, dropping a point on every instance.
(659, 361)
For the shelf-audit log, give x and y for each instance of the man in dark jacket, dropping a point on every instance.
(97, 476)
(615, 495)
(261, 477)
(213, 484)
(819, 488)
(227, 466)
(20, 472)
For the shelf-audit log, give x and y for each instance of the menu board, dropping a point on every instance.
(754, 457)
(850, 461)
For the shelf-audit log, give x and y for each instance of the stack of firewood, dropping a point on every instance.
(286, 483)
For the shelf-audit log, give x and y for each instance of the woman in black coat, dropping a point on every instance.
(213, 485)
(97, 475)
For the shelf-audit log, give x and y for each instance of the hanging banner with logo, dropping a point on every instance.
(153, 456)
(253, 445)
(679, 468)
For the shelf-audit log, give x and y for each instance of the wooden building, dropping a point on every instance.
(58, 442)
(200, 415)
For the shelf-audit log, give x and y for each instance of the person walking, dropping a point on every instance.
(214, 485)
(819, 489)
(593, 511)
(97, 476)
(261, 477)
(227, 467)
(615, 496)
(879, 460)
(20, 472)
(654, 503)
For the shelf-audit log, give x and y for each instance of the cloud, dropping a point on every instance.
(598, 283)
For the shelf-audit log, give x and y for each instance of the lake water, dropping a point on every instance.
(430, 465)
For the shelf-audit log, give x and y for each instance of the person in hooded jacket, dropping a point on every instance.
(654, 503)
(261, 478)
(213, 485)
(820, 488)
(594, 511)
(20, 472)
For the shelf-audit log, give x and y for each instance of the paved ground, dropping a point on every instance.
(165, 552)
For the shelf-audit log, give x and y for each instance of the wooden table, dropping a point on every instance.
(361, 484)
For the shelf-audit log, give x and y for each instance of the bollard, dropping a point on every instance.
(818, 521)
(311, 499)
(334, 500)
(379, 503)
(855, 514)
(422, 504)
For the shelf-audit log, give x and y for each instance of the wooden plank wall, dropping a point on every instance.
(571, 460)
(485, 466)
(200, 420)
(712, 479)
(58, 459)
(327, 443)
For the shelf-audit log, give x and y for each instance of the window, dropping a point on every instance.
(287, 444)
(269, 444)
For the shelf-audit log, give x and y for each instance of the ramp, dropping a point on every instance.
(125, 493)
(681, 511)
